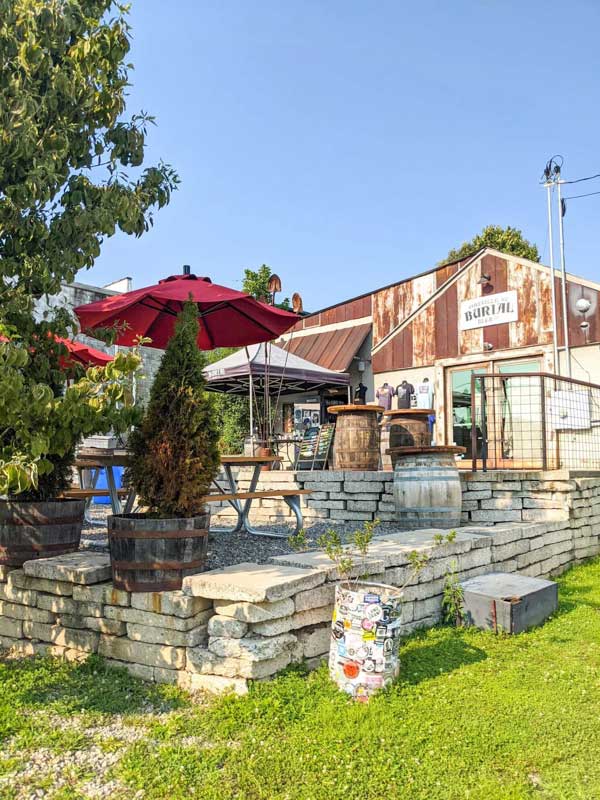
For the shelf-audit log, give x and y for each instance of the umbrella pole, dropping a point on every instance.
(251, 398)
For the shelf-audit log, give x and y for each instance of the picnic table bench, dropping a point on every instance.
(241, 501)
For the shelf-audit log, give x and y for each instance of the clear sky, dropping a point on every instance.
(349, 144)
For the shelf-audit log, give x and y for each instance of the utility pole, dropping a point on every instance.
(548, 186)
(564, 277)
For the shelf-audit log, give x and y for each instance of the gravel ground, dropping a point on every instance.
(225, 548)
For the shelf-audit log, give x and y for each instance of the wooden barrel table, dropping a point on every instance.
(404, 427)
(356, 437)
(154, 555)
(37, 529)
(427, 489)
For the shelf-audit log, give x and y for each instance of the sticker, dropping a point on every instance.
(371, 597)
(337, 631)
(368, 636)
(374, 612)
(369, 665)
(351, 669)
(388, 646)
(341, 649)
(367, 625)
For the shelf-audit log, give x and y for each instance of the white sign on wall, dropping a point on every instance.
(489, 310)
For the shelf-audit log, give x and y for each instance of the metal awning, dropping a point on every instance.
(333, 350)
(287, 372)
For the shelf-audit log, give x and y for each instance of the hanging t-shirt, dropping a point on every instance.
(360, 394)
(404, 391)
(384, 395)
(424, 395)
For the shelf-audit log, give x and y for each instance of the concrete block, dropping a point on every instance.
(215, 684)
(64, 637)
(314, 598)
(496, 516)
(16, 611)
(252, 648)
(166, 636)
(81, 567)
(5, 571)
(326, 504)
(203, 662)
(358, 486)
(176, 604)
(510, 550)
(144, 673)
(252, 582)
(18, 579)
(362, 505)
(544, 514)
(11, 627)
(25, 597)
(66, 605)
(479, 494)
(351, 516)
(511, 503)
(157, 620)
(101, 593)
(221, 625)
(98, 624)
(259, 612)
(315, 641)
(322, 476)
(152, 655)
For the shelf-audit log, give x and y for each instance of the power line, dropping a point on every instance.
(575, 196)
(581, 180)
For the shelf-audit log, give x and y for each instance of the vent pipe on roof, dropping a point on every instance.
(186, 269)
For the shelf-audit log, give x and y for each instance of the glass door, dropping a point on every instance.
(461, 421)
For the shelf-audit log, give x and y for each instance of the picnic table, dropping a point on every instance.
(242, 501)
(89, 462)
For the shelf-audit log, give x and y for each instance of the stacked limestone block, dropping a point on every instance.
(489, 498)
(265, 617)
(335, 495)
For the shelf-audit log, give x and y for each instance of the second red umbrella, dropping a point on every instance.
(227, 317)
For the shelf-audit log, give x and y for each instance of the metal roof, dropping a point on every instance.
(333, 349)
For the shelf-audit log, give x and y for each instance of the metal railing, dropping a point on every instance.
(534, 420)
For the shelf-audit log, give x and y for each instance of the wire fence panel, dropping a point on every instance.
(534, 421)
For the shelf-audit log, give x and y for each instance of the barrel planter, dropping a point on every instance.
(356, 437)
(404, 427)
(427, 490)
(365, 638)
(30, 530)
(149, 554)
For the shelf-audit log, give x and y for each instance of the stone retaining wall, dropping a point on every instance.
(249, 621)
(351, 496)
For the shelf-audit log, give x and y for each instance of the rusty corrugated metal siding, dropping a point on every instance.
(331, 349)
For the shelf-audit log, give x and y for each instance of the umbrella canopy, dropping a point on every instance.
(79, 353)
(286, 373)
(227, 318)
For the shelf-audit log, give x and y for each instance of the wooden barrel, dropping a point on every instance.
(154, 555)
(356, 437)
(30, 530)
(427, 489)
(410, 428)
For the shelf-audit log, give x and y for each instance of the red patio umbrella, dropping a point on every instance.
(79, 353)
(227, 317)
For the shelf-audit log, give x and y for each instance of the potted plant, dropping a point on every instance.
(365, 628)
(47, 404)
(174, 457)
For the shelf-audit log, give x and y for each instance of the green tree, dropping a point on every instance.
(64, 148)
(256, 283)
(232, 412)
(174, 450)
(507, 240)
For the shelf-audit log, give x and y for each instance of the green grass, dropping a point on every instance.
(473, 716)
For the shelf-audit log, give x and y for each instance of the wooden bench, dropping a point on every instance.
(86, 494)
(291, 498)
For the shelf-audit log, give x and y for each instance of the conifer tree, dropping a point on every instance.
(174, 450)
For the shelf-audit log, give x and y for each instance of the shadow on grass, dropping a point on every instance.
(420, 663)
(89, 686)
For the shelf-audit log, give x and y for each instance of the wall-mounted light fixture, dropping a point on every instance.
(583, 305)
(488, 346)
(484, 280)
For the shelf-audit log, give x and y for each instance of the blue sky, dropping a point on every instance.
(352, 144)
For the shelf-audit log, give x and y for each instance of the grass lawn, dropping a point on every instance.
(473, 716)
